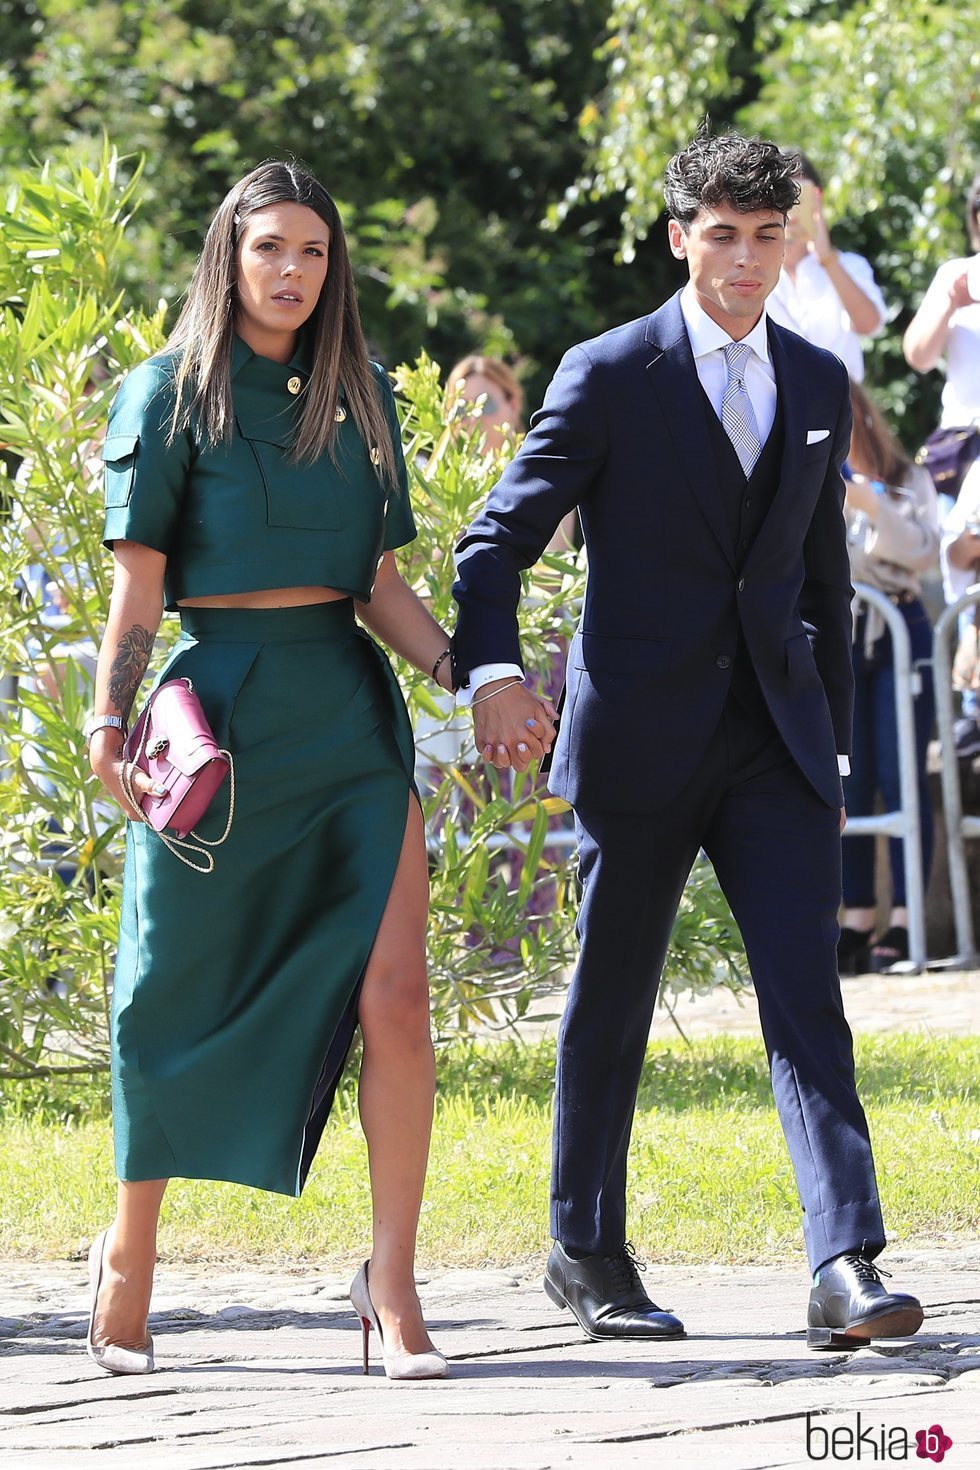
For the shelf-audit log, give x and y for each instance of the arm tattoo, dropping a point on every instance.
(129, 666)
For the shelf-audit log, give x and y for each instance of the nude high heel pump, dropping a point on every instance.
(397, 1365)
(110, 1356)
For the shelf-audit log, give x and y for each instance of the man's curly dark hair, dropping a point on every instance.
(751, 174)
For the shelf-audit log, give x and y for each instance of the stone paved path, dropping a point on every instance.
(262, 1368)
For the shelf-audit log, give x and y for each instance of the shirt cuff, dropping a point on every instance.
(485, 674)
(844, 765)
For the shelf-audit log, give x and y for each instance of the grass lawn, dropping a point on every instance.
(710, 1178)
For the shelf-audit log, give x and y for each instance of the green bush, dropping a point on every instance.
(501, 932)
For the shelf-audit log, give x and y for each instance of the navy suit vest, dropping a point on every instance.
(747, 502)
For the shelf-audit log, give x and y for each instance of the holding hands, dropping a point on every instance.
(511, 726)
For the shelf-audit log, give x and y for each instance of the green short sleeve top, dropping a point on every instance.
(240, 516)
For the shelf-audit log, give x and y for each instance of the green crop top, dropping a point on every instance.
(240, 517)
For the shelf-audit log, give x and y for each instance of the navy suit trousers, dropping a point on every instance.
(775, 846)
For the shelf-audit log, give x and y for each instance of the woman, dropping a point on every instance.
(893, 535)
(489, 379)
(255, 484)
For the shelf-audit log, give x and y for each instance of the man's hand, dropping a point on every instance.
(843, 819)
(512, 728)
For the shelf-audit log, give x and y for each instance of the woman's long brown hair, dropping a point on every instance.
(875, 451)
(205, 330)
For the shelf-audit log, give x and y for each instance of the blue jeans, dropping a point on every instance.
(874, 761)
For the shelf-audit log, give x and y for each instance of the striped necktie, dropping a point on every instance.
(737, 416)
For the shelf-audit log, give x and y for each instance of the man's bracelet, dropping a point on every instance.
(484, 697)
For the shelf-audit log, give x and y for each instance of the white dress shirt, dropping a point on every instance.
(708, 343)
(810, 305)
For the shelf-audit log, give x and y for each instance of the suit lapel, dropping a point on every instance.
(794, 396)
(674, 378)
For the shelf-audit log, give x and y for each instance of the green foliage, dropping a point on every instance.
(61, 232)
(668, 66)
(443, 130)
(502, 890)
(881, 94)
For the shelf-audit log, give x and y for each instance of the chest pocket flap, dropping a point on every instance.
(298, 496)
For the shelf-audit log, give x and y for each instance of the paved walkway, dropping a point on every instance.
(939, 1002)
(262, 1368)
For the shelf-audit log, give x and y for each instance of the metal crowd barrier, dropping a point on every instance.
(904, 823)
(958, 827)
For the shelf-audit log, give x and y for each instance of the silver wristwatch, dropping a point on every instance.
(104, 722)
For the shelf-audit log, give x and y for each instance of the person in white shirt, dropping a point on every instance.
(946, 328)
(829, 296)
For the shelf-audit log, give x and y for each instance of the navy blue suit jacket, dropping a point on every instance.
(622, 436)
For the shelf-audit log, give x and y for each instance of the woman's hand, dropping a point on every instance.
(106, 757)
(512, 728)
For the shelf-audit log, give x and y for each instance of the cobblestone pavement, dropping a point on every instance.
(263, 1368)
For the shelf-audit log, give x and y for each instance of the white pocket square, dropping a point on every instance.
(814, 436)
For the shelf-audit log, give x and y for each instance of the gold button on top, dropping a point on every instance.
(375, 454)
(340, 413)
(295, 385)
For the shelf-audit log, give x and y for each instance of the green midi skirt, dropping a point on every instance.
(235, 993)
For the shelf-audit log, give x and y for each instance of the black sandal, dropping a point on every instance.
(890, 949)
(853, 953)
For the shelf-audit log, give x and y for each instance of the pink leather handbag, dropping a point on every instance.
(172, 743)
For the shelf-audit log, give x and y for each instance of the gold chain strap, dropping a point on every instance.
(174, 843)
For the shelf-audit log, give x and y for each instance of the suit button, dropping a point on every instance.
(748, 502)
(723, 661)
(294, 384)
(741, 584)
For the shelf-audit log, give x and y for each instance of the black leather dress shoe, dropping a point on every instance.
(606, 1297)
(849, 1306)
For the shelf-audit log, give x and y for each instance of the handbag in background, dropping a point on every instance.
(947, 454)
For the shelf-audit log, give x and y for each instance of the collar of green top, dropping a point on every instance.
(301, 360)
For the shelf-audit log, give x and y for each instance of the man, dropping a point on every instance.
(829, 296)
(708, 698)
